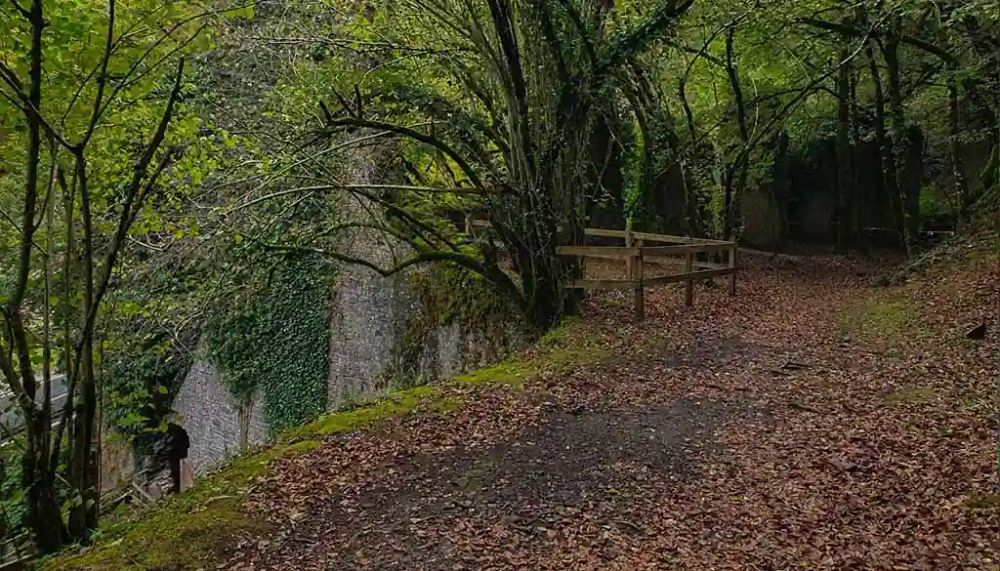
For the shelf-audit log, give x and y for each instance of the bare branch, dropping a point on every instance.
(10, 78)
(491, 273)
(102, 76)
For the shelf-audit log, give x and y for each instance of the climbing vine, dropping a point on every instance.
(447, 295)
(277, 342)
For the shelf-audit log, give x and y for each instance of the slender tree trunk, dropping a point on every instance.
(83, 468)
(885, 158)
(780, 180)
(962, 198)
(900, 140)
(42, 514)
(606, 175)
(859, 202)
(844, 189)
(691, 207)
(742, 168)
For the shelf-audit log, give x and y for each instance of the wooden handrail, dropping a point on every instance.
(650, 237)
(609, 252)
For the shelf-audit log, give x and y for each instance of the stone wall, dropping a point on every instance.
(456, 348)
(369, 311)
(369, 318)
(218, 424)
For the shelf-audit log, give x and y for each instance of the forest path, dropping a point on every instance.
(808, 423)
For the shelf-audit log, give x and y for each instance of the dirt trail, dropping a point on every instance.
(767, 431)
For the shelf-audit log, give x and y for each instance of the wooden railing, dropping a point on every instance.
(16, 553)
(635, 254)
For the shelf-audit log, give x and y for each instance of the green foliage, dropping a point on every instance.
(141, 384)
(936, 207)
(277, 341)
(878, 320)
(11, 492)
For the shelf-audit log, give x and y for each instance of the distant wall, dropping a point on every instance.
(368, 316)
(218, 424)
(456, 348)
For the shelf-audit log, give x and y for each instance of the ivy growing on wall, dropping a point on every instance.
(277, 342)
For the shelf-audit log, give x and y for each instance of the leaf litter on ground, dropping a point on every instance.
(772, 430)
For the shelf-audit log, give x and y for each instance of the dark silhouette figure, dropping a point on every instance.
(178, 444)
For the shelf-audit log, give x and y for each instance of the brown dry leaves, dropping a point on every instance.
(745, 433)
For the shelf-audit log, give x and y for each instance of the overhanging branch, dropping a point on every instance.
(415, 135)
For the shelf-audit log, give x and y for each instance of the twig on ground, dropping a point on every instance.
(805, 407)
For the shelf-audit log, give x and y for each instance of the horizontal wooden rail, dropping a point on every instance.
(687, 248)
(678, 278)
(603, 284)
(681, 249)
(650, 237)
(607, 252)
(650, 282)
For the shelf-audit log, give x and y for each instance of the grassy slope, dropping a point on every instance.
(192, 531)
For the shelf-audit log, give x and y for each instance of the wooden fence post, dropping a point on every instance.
(689, 284)
(637, 293)
(628, 244)
(732, 266)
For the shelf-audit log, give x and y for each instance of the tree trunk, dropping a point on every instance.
(859, 201)
(844, 189)
(885, 160)
(962, 198)
(900, 143)
(742, 167)
(780, 183)
(83, 469)
(605, 154)
(692, 211)
(42, 511)
(43, 516)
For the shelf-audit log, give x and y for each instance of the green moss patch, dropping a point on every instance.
(517, 372)
(559, 351)
(192, 531)
(877, 320)
(911, 395)
(185, 533)
(983, 502)
(447, 295)
(394, 404)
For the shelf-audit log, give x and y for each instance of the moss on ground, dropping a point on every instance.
(561, 350)
(192, 531)
(877, 320)
(911, 395)
(394, 404)
(983, 501)
(185, 533)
